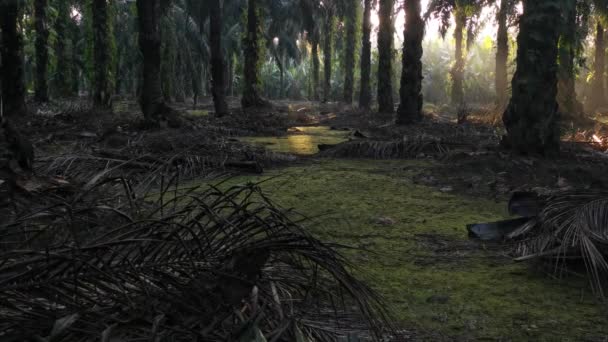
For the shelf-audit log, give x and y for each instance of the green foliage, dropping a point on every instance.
(479, 72)
(62, 39)
(128, 61)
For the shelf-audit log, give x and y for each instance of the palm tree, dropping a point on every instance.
(316, 66)
(42, 53)
(457, 71)
(329, 25)
(410, 107)
(310, 10)
(217, 58)
(103, 37)
(570, 47)
(252, 49)
(285, 28)
(502, 53)
(597, 84)
(351, 12)
(466, 15)
(62, 80)
(152, 102)
(531, 118)
(385, 57)
(11, 53)
(365, 95)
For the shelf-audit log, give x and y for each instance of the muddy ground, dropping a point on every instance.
(403, 194)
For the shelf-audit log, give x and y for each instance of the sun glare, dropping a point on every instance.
(432, 26)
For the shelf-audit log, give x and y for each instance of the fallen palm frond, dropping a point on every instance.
(146, 159)
(189, 265)
(375, 149)
(571, 226)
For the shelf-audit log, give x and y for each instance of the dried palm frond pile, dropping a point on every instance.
(187, 265)
(143, 159)
(570, 230)
(377, 149)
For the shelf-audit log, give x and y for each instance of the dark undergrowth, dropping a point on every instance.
(194, 265)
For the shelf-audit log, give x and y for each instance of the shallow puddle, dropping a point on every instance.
(302, 141)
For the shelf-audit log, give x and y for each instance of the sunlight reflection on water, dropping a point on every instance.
(301, 140)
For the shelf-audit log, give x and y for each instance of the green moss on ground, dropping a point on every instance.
(197, 112)
(439, 282)
(302, 141)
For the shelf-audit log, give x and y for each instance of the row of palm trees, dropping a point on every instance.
(549, 33)
(537, 44)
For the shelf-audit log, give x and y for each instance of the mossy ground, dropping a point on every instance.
(304, 141)
(197, 112)
(440, 284)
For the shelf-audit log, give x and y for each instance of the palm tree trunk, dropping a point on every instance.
(532, 117)
(76, 64)
(11, 53)
(62, 78)
(410, 107)
(597, 85)
(179, 91)
(315, 69)
(230, 79)
(42, 53)
(385, 57)
(282, 88)
(457, 72)
(327, 54)
(569, 106)
(102, 87)
(349, 51)
(279, 61)
(365, 95)
(152, 102)
(251, 96)
(502, 55)
(217, 58)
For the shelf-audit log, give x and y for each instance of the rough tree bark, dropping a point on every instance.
(502, 55)
(349, 51)
(597, 85)
(569, 106)
(457, 72)
(102, 85)
(410, 107)
(42, 53)
(251, 96)
(385, 57)
(217, 58)
(327, 53)
(11, 52)
(531, 117)
(365, 94)
(152, 102)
